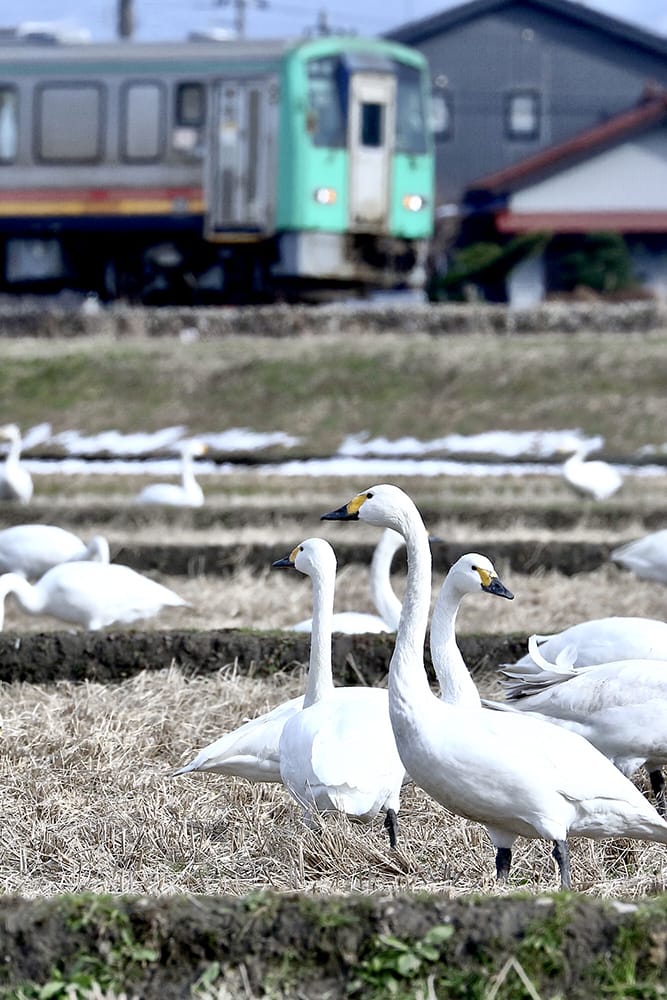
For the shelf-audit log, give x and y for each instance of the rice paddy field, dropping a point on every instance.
(89, 801)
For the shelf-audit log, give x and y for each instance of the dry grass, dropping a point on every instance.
(89, 804)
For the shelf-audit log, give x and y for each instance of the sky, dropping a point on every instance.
(173, 19)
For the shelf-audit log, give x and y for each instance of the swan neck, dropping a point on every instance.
(407, 678)
(456, 685)
(387, 604)
(187, 470)
(320, 674)
(29, 596)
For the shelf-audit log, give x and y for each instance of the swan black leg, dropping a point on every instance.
(658, 788)
(561, 853)
(503, 863)
(391, 826)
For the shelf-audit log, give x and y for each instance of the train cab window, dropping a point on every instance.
(371, 125)
(142, 121)
(69, 123)
(190, 105)
(410, 114)
(8, 124)
(325, 119)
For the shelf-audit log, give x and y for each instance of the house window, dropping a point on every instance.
(522, 114)
(69, 123)
(142, 132)
(9, 132)
(442, 115)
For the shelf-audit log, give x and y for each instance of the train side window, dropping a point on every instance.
(190, 104)
(442, 115)
(9, 131)
(142, 133)
(69, 123)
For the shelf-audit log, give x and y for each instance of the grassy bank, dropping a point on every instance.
(325, 387)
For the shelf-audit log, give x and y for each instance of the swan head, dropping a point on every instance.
(313, 557)
(474, 572)
(195, 449)
(10, 432)
(385, 506)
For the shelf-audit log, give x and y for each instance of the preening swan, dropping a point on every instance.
(29, 550)
(388, 605)
(620, 707)
(91, 594)
(645, 557)
(595, 479)
(601, 640)
(187, 493)
(15, 480)
(338, 753)
(540, 781)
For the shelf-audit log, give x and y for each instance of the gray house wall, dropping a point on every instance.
(582, 73)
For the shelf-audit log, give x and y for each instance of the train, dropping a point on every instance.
(214, 170)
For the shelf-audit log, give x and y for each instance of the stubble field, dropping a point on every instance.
(89, 800)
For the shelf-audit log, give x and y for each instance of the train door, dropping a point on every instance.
(372, 103)
(240, 168)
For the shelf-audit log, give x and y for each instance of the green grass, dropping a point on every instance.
(325, 387)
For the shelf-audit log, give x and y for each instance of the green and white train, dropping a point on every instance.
(212, 171)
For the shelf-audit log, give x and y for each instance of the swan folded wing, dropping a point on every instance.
(250, 751)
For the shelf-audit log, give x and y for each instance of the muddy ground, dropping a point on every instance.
(331, 947)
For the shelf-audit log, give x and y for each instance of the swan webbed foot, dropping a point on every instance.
(391, 826)
(658, 788)
(503, 863)
(561, 853)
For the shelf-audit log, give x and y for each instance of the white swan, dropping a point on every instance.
(252, 750)
(91, 594)
(619, 706)
(388, 605)
(29, 550)
(471, 574)
(597, 479)
(540, 781)
(645, 557)
(600, 640)
(15, 480)
(338, 754)
(187, 493)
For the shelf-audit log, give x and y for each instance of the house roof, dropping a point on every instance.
(651, 111)
(414, 32)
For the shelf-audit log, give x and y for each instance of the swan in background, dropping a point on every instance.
(600, 640)
(388, 605)
(338, 754)
(187, 493)
(539, 781)
(595, 479)
(645, 557)
(92, 594)
(29, 550)
(15, 480)
(619, 706)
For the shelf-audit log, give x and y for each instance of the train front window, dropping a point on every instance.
(325, 119)
(372, 125)
(9, 132)
(410, 117)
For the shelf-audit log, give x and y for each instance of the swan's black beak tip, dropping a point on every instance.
(340, 514)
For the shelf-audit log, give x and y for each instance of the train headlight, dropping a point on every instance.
(325, 196)
(413, 202)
